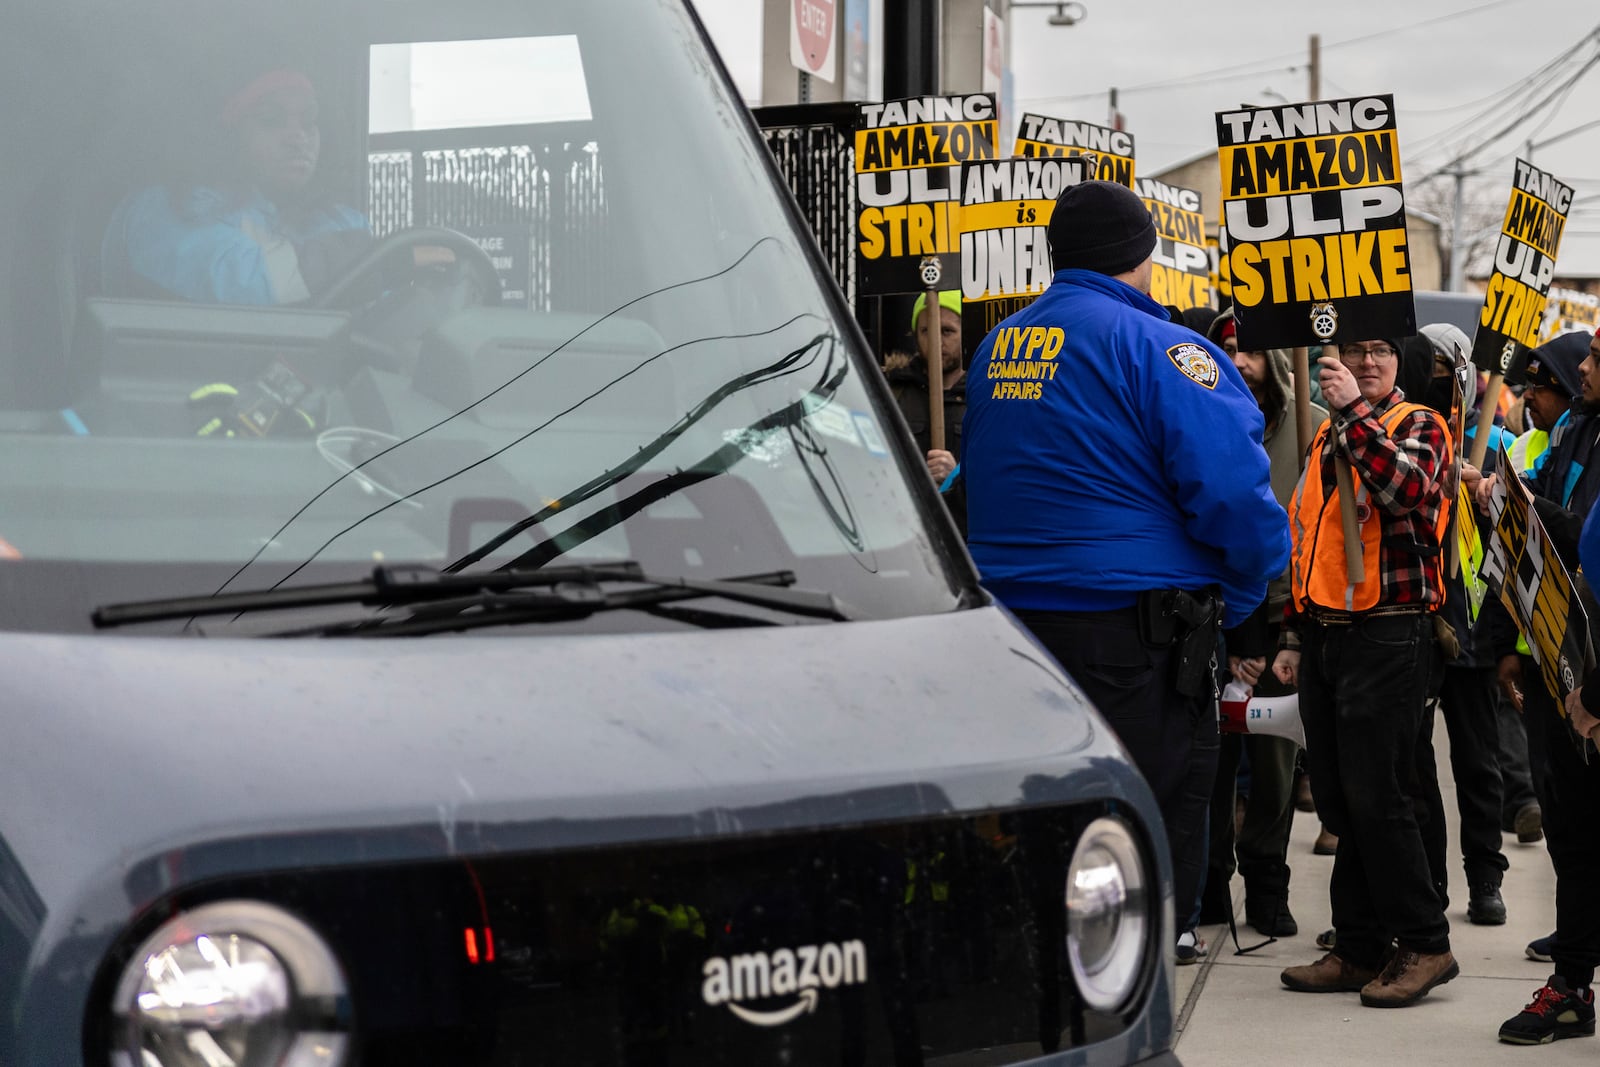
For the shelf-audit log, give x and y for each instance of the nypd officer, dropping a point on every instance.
(1119, 499)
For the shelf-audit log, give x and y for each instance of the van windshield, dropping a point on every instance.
(298, 288)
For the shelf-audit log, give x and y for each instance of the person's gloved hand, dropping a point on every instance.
(1247, 670)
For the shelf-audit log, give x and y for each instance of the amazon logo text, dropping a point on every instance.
(798, 972)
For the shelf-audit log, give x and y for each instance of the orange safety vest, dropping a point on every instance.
(1317, 565)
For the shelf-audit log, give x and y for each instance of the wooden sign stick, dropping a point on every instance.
(1491, 402)
(1302, 402)
(932, 351)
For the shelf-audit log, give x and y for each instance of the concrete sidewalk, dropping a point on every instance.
(1234, 1012)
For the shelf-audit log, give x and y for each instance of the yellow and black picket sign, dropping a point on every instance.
(1181, 274)
(1216, 251)
(1522, 567)
(1314, 209)
(1005, 260)
(1524, 266)
(1315, 213)
(908, 159)
(1039, 136)
(1568, 311)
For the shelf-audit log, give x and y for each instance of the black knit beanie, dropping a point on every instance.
(1100, 226)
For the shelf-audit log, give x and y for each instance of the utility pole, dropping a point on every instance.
(1314, 68)
(911, 63)
(1458, 254)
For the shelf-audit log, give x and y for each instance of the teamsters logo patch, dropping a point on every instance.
(1195, 363)
(801, 972)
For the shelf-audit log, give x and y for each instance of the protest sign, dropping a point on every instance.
(1181, 276)
(1570, 311)
(1040, 135)
(1005, 252)
(1316, 222)
(1524, 266)
(1217, 252)
(1521, 567)
(908, 156)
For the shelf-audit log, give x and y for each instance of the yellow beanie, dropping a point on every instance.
(949, 298)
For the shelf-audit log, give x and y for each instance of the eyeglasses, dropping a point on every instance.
(1354, 354)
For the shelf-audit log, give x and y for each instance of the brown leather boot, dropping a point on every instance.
(1326, 844)
(1408, 978)
(1331, 974)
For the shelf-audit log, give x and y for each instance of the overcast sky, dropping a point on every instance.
(1176, 64)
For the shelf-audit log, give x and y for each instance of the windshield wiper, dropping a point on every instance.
(466, 601)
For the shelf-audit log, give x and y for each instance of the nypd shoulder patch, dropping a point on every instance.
(1196, 363)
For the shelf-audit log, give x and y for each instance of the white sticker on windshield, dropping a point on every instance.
(833, 421)
(869, 434)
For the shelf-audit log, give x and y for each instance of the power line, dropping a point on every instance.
(1203, 77)
(1234, 76)
(1462, 157)
(1515, 103)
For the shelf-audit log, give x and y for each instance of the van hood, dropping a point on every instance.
(130, 758)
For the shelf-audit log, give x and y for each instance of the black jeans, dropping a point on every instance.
(1363, 693)
(1467, 703)
(1172, 738)
(1569, 794)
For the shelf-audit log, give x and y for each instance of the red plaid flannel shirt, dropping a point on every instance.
(1405, 477)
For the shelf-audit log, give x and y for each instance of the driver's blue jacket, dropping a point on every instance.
(1108, 451)
(209, 249)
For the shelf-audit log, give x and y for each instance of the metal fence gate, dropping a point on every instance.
(547, 179)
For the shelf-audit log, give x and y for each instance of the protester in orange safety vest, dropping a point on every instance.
(1363, 654)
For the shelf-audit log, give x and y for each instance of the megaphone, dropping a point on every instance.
(1242, 713)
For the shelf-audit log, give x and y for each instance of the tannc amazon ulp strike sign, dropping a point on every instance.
(1524, 266)
(908, 169)
(1181, 275)
(1316, 223)
(1111, 150)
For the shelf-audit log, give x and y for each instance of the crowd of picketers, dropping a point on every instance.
(1149, 514)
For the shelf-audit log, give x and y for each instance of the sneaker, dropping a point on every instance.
(1331, 974)
(1557, 1011)
(1191, 946)
(1529, 823)
(1326, 844)
(1408, 977)
(1485, 906)
(1328, 939)
(1539, 948)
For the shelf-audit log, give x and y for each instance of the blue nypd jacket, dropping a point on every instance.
(1109, 451)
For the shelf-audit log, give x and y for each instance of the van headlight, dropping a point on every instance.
(236, 982)
(1108, 915)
